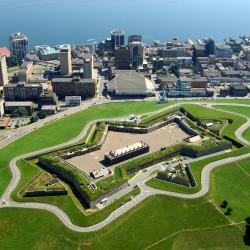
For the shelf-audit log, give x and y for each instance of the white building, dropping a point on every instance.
(73, 101)
(3, 71)
(65, 60)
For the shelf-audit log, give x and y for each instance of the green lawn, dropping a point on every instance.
(239, 101)
(237, 109)
(167, 222)
(69, 203)
(65, 129)
(241, 110)
(232, 183)
(207, 113)
(196, 168)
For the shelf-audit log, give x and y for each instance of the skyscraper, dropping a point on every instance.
(117, 38)
(65, 60)
(88, 68)
(3, 71)
(19, 46)
(136, 54)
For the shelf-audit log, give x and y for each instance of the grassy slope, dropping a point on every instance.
(68, 203)
(164, 216)
(204, 112)
(241, 110)
(65, 129)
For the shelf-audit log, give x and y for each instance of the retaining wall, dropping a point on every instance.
(45, 193)
(175, 180)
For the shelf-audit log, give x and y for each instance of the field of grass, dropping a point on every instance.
(65, 129)
(240, 110)
(239, 101)
(232, 183)
(157, 223)
(196, 168)
(237, 109)
(207, 113)
(155, 219)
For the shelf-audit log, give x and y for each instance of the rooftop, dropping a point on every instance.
(46, 50)
(4, 52)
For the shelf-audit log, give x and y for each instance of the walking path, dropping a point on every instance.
(139, 180)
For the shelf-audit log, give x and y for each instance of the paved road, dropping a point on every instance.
(140, 180)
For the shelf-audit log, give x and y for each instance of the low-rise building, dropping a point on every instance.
(49, 109)
(22, 92)
(47, 53)
(223, 51)
(48, 99)
(9, 107)
(181, 88)
(73, 101)
(172, 52)
(86, 88)
(5, 122)
(238, 90)
(130, 83)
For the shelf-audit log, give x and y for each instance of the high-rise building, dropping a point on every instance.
(117, 38)
(19, 46)
(134, 38)
(3, 71)
(122, 58)
(136, 54)
(25, 71)
(65, 60)
(88, 68)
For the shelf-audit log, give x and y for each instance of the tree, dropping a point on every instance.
(23, 111)
(247, 220)
(33, 119)
(246, 237)
(224, 204)
(229, 211)
(210, 46)
(15, 113)
(41, 115)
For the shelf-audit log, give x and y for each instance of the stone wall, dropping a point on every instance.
(45, 193)
(81, 195)
(175, 180)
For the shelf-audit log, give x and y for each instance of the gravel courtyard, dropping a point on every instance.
(157, 139)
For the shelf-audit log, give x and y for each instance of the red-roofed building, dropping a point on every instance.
(5, 52)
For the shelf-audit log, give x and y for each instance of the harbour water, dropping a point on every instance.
(75, 21)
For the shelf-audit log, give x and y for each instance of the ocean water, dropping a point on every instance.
(75, 21)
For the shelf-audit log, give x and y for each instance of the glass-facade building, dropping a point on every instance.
(19, 46)
(117, 39)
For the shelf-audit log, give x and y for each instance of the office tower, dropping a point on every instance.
(3, 71)
(65, 60)
(19, 46)
(136, 54)
(134, 38)
(117, 38)
(122, 58)
(88, 68)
